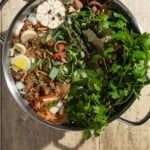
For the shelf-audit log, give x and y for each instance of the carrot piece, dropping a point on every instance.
(48, 98)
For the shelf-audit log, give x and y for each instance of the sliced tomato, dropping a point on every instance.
(60, 47)
(62, 54)
(56, 56)
(59, 55)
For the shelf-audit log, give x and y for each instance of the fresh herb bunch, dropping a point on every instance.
(114, 71)
(106, 64)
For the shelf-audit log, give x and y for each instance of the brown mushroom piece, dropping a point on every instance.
(77, 4)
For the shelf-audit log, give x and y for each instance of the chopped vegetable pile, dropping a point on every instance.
(80, 67)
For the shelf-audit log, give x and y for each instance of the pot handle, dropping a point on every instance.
(2, 3)
(136, 123)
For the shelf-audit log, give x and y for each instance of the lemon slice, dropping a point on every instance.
(21, 62)
(28, 34)
(20, 48)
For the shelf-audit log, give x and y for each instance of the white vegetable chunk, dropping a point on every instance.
(59, 104)
(54, 110)
(51, 13)
(20, 86)
(61, 111)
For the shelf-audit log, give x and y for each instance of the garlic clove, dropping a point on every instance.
(58, 4)
(40, 16)
(51, 2)
(41, 9)
(53, 24)
(44, 20)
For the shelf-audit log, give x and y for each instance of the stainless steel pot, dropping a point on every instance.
(10, 82)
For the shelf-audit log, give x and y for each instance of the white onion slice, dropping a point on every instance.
(28, 34)
(54, 110)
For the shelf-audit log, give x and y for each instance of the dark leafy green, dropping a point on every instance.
(106, 64)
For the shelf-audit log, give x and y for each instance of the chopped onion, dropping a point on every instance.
(59, 104)
(54, 110)
(32, 59)
(61, 111)
(20, 86)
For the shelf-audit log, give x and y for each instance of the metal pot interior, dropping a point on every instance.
(25, 11)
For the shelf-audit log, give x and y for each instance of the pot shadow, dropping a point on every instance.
(51, 138)
(27, 133)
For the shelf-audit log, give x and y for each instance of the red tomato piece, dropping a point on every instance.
(60, 47)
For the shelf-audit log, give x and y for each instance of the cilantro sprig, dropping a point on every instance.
(106, 64)
(112, 79)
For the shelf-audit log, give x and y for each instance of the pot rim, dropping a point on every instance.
(15, 94)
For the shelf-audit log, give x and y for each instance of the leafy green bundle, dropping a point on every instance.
(106, 64)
